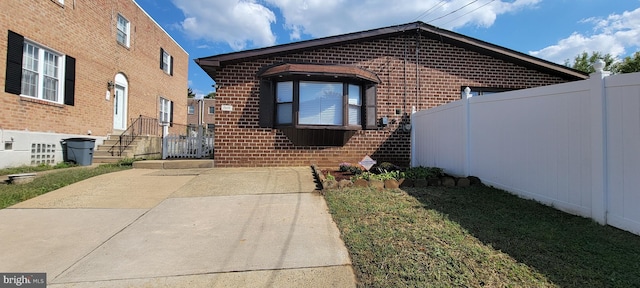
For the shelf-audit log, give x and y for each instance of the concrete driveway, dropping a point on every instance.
(218, 227)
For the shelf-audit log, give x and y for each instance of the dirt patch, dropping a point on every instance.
(339, 175)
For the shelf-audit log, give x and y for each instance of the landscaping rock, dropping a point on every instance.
(361, 183)
(448, 182)
(21, 178)
(421, 183)
(391, 184)
(344, 183)
(474, 180)
(330, 184)
(434, 181)
(379, 185)
(407, 183)
(463, 182)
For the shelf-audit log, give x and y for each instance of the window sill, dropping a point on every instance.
(128, 47)
(40, 101)
(322, 127)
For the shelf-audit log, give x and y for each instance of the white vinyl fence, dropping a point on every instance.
(575, 146)
(198, 143)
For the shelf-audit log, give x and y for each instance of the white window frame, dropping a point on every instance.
(165, 110)
(124, 30)
(166, 62)
(212, 109)
(37, 68)
(191, 110)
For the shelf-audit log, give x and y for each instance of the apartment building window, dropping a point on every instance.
(38, 72)
(166, 111)
(123, 26)
(212, 109)
(166, 62)
(190, 110)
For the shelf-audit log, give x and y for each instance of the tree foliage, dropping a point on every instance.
(211, 95)
(629, 64)
(584, 62)
(190, 93)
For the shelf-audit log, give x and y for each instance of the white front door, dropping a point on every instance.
(120, 108)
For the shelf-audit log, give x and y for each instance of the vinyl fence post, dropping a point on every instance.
(599, 175)
(466, 132)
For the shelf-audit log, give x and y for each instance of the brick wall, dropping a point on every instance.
(432, 78)
(86, 30)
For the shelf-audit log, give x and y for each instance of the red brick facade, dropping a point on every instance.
(86, 30)
(420, 73)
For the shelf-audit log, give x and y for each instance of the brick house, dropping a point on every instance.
(339, 98)
(82, 68)
(201, 112)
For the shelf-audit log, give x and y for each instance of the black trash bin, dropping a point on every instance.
(79, 150)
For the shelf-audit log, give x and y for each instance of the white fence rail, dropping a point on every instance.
(575, 146)
(198, 144)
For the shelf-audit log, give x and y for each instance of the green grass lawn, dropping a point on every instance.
(477, 237)
(11, 194)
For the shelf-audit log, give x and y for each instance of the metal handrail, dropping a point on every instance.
(143, 125)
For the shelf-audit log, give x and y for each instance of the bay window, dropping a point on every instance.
(317, 105)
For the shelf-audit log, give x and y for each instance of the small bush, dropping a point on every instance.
(421, 172)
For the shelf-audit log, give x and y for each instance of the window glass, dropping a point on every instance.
(212, 109)
(123, 30)
(30, 70)
(320, 103)
(165, 110)
(284, 105)
(166, 62)
(50, 74)
(284, 92)
(190, 109)
(285, 113)
(41, 73)
(355, 105)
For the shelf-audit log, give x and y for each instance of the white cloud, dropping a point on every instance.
(248, 23)
(235, 22)
(319, 18)
(610, 35)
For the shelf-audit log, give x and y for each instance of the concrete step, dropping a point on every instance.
(112, 142)
(106, 159)
(125, 153)
(115, 148)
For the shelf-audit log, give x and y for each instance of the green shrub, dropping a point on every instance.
(421, 172)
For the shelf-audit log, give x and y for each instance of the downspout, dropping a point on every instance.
(404, 68)
(417, 69)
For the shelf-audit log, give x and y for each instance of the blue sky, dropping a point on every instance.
(554, 30)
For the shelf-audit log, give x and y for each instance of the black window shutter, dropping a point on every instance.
(171, 114)
(267, 103)
(171, 65)
(13, 76)
(371, 110)
(161, 57)
(69, 80)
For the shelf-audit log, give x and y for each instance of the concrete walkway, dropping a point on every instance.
(215, 227)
